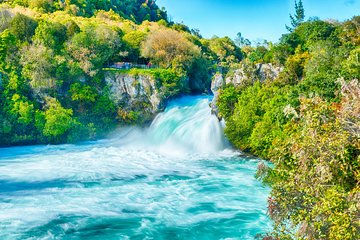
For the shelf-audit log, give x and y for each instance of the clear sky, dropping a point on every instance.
(255, 19)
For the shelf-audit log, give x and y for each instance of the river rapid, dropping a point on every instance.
(177, 179)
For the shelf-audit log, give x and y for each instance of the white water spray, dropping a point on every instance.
(185, 127)
(170, 179)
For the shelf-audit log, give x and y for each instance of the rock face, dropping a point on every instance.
(245, 75)
(216, 84)
(268, 71)
(251, 73)
(135, 92)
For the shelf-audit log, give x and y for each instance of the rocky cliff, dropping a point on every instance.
(245, 75)
(249, 73)
(135, 92)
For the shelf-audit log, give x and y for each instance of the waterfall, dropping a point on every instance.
(186, 126)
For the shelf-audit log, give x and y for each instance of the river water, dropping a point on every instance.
(177, 179)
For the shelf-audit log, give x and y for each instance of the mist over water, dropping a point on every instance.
(177, 179)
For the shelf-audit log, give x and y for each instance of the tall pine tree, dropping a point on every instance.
(299, 16)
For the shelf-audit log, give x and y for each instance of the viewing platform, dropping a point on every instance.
(130, 65)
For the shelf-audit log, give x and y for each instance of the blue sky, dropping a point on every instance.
(255, 19)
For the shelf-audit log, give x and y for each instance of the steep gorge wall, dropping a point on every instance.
(135, 92)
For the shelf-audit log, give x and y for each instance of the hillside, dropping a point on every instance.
(134, 10)
(54, 55)
(304, 117)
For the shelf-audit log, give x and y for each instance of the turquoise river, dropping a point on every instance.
(176, 179)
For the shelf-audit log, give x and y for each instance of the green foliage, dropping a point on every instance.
(72, 28)
(225, 50)
(227, 99)
(5, 19)
(199, 75)
(133, 41)
(287, 46)
(246, 113)
(42, 5)
(82, 93)
(104, 114)
(316, 30)
(169, 82)
(22, 110)
(130, 117)
(322, 70)
(350, 33)
(254, 115)
(7, 43)
(307, 123)
(93, 46)
(294, 67)
(55, 53)
(240, 41)
(22, 27)
(38, 66)
(52, 35)
(136, 10)
(180, 27)
(258, 55)
(58, 120)
(169, 48)
(299, 16)
(351, 65)
(315, 177)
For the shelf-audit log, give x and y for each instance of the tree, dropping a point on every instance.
(315, 179)
(313, 31)
(94, 46)
(133, 42)
(23, 27)
(299, 16)
(52, 35)
(351, 66)
(351, 31)
(22, 109)
(258, 54)
(5, 19)
(42, 5)
(225, 50)
(228, 97)
(322, 70)
(240, 41)
(136, 10)
(169, 48)
(72, 28)
(196, 32)
(7, 44)
(58, 120)
(38, 66)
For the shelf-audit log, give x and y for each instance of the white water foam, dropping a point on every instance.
(177, 174)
